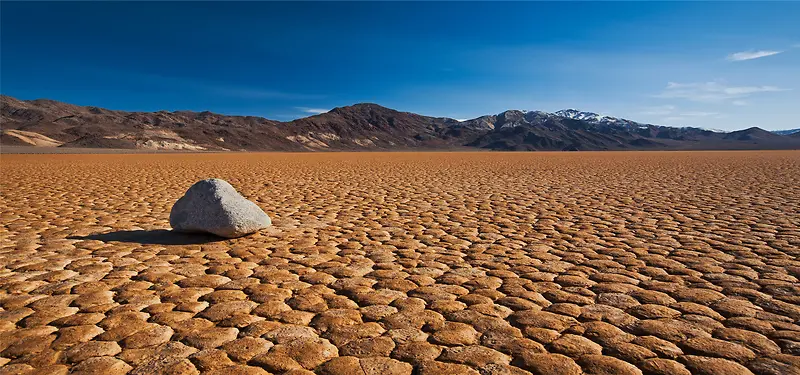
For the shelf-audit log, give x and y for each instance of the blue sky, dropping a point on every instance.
(712, 64)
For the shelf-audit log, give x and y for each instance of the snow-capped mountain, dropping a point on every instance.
(581, 115)
(787, 132)
(513, 118)
(597, 119)
(508, 119)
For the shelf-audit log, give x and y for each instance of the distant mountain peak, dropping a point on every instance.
(588, 116)
(787, 131)
(361, 107)
(570, 112)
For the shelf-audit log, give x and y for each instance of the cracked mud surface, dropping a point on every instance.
(398, 263)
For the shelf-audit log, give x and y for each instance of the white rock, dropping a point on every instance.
(214, 206)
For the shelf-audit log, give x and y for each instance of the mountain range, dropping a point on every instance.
(365, 126)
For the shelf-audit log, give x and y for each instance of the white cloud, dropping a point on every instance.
(215, 88)
(750, 55)
(713, 92)
(315, 111)
(661, 110)
(691, 118)
(699, 114)
(673, 116)
(673, 121)
(256, 93)
(672, 113)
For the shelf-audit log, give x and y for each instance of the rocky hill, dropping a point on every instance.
(48, 123)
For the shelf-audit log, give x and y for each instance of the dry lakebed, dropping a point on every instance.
(396, 263)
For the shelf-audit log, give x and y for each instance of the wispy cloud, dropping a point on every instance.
(212, 88)
(699, 114)
(750, 55)
(712, 92)
(691, 118)
(658, 110)
(315, 111)
(672, 120)
(255, 93)
(673, 112)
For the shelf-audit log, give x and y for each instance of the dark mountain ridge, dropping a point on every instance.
(365, 126)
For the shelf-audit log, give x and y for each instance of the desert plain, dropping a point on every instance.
(406, 263)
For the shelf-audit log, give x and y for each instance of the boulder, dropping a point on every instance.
(214, 206)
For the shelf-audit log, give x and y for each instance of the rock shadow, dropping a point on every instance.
(152, 237)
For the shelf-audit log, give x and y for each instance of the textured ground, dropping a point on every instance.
(432, 263)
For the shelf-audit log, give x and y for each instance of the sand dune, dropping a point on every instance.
(388, 263)
(32, 138)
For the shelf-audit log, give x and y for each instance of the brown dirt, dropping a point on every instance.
(393, 263)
